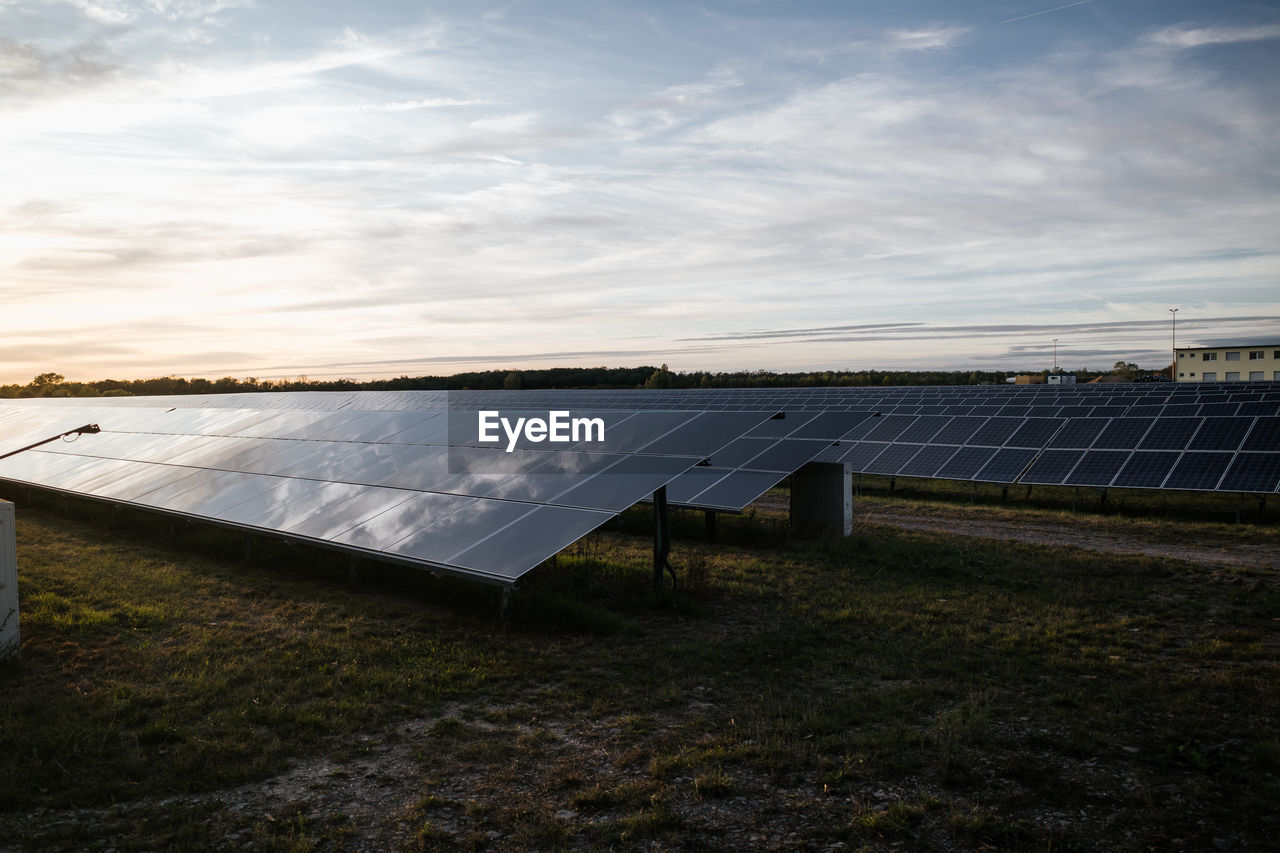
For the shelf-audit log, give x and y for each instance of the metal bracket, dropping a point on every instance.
(87, 428)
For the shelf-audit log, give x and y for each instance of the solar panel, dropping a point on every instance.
(928, 461)
(1257, 473)
(965, 463)
(1170, 433)
(1198, 471)
(284, 471)
(1123, 433)
(1097, 468)
(1005, 466)
(1146, 469)
(1079, 432)
(1220, 434)
(1051, 467)
(995, 431)
(237, 457)
(1264, 436)
(894, 457)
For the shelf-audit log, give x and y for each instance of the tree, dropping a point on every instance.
(45, 383)
(1127, 369)
(513, 381)
(661, 378)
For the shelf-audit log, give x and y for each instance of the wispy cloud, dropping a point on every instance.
(1189, 37)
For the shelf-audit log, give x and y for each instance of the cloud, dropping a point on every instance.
(919, 331)
(1190, 37)
(931, 38)
(28, 70)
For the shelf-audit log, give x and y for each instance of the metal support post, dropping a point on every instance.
(661, 539)
(711, 524)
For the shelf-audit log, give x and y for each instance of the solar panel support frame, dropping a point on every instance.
(661, 540)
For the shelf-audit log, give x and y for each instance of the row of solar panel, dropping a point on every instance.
(1142, 433)
(1253, 473)
(484, 537)
(412, 485)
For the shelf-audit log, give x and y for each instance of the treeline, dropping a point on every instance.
(55, 385)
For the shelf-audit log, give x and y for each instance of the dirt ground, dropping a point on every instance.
(1219, 552)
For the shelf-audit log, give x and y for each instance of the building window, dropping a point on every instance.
(1233, 376)
(1180, 375)
(1193, 373)
(1209, 377)
(1210, 356)
(1257, 354)
(1255, 375)
(1233, 356)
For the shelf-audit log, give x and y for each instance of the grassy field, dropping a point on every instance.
(894, 690)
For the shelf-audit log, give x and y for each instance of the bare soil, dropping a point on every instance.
(1133, 541)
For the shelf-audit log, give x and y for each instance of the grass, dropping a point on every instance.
(895, 688)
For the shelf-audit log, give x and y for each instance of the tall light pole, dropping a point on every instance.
(1055, 355)
(1173, 335)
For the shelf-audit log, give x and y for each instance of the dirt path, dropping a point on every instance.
(1219, 552)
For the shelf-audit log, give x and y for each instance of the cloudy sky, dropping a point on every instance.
(278, 188)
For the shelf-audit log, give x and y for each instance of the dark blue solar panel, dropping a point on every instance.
(1220, 434)
(1097, 468)
(1005, 466)
(924, 428)
(888, 426)
(927, 462)
(959, 430)
(1261, 408)
(1122, 433)
(861, 454)
(1079, 432)
(1264, 436)
(893, 458)
(1219, 409)
(994, 432)
(1052, 467)
(854, 434)
(1036, 432)
(1146, 469)
(1252, 472)
(965, 463)
(1170, 434)
(1198, 471)
(1181, 409)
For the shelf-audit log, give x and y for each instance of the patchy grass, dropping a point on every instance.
(895, 688)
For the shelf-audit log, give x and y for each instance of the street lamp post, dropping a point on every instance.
(1055, 355)
(1173, 333)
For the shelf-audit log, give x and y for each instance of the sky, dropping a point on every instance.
(366, 190)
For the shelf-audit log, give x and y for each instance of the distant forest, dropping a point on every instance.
(56, 385)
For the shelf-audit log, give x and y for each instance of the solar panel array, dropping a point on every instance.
(401, 474)
(416, 486)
